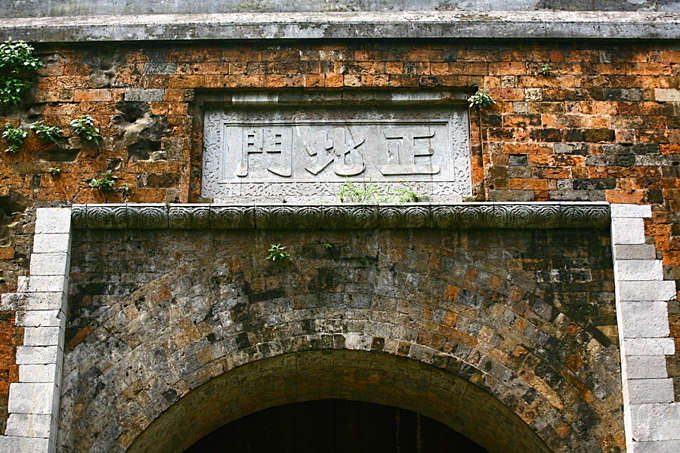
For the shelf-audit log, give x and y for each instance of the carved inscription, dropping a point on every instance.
(307, 153)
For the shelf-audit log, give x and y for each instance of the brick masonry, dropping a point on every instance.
(528, 316)
(601, 126)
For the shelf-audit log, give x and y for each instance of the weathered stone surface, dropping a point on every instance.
(344, 216)
(649, 391)
(308, 154)
(31, 398)
(409, 24)
(638, 270)
(643, 319)
(444, 299)
(29, 425)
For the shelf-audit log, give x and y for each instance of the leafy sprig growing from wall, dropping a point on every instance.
(84, 127)
(14, 136)
(16, 58)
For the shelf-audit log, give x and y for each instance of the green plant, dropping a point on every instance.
(14, 136)
(15, 57)
(546, 69)
(47, 133)
(408, 195)
(277, 252)
(377, 193)
(125, 190)
(368, 193)
(84, 127)
(327, 245)
(54, 171)
(11, 90)
(106, 183)
(481, 99)
(2, 280)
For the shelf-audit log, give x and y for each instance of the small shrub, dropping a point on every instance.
(546, 69)
(54, 171)
(125, 191)
(84, 127)
(47, 133)
(14, 137)
(481, 99)
(277, 253)
(106, 183)
(17, 57)
(11, 90)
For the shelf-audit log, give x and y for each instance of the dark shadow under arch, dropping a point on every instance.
(335, 426)
(340, 374)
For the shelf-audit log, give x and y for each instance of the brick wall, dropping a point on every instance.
(526, 315)
(602, 125)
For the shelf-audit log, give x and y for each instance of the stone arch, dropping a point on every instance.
(439, 299)
(343, 374)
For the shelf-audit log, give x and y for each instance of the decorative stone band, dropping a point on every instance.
(339, 25)
(341, 216)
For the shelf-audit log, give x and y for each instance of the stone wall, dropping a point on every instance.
(526, 315)
(602, 124)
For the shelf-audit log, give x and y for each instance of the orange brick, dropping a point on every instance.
(6, 253)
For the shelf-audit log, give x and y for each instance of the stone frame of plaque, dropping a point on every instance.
(299, 147)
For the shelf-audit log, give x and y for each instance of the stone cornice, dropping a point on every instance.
(341, 216)
(346, 25)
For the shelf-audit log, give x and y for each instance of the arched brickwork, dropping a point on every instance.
(421, 317)
(354, 375)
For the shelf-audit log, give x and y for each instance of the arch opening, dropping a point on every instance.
(360, 376)
(335, 426)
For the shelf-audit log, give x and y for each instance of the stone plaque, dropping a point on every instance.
(306, 154)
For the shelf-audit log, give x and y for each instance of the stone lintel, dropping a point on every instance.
(346, 25)
(342, 216)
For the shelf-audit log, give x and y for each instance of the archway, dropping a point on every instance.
(341, 374)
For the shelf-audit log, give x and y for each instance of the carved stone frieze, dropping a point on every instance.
(341, 216)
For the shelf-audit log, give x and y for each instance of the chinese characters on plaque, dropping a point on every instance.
(309, 152)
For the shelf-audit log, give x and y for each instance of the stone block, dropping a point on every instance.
(628, 231)
(46, 318)
(647, 391)
(47, 284)
(644, 367)
(38, 355)
(45, 301)
(631, 210)
(144, 94)
(23, 444)
(32, 398)
(627, 270)
(654, 422)
(29, 425)
(52, 243)
(53, 221)
(39, 373)
(645, 290)
(43, 336)
(667, 95)
(643, 319)
(634, 252)
(663, 446)
(49, 264)
(648, 346)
